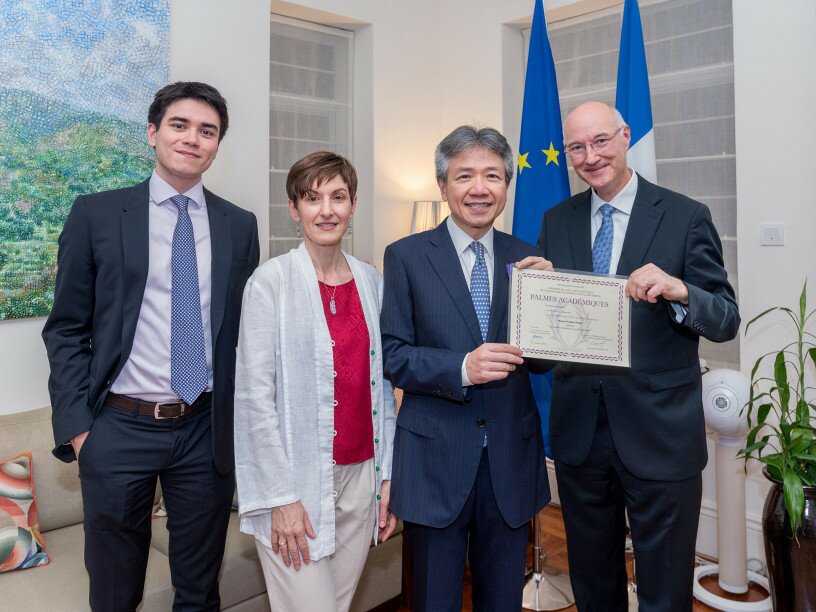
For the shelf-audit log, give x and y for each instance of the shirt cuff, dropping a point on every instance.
(465, 380)
(680, 311)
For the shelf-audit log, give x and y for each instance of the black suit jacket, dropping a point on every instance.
(101, 276)
(428, 325)
(655, 407)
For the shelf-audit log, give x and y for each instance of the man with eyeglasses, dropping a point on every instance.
(633, 439)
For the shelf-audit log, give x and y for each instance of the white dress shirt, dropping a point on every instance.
(146, 374)
(461, 243)
(623, 203)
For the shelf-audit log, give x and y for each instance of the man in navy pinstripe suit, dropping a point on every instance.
(469, 469)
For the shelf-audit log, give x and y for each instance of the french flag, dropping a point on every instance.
(632, 98)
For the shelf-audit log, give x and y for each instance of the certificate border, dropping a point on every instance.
(578, 278)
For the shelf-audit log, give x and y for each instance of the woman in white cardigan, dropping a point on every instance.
(314, 418)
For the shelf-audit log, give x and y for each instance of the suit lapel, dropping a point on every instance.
(135, 232)
(445, 261)
(641, 229)
(579, 233)
(221, 246)
(501, 286)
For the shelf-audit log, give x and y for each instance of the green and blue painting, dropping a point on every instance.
(76, 79)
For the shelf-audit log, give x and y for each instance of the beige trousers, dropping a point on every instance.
(328, 584)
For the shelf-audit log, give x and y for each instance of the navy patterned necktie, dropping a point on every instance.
(602, 248)
(188, 359)
(480, 287)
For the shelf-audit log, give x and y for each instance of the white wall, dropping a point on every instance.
(774, 86)
(424, 67)
(433, 68)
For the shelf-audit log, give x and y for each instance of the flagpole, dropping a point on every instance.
(541, 183)
(545, 590)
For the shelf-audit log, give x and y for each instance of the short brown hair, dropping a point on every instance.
(317, 168)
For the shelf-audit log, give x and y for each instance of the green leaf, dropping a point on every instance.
(759, 316)
(812, 353)
(755, 446)
(781, 379)
(802, 411)
(784, 428)
(803, 303)
(754, 370)
(774, 464)
(798, 445)
(762, 413)
(752, 435)
(794, 498)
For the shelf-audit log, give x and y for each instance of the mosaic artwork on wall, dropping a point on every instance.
(76, 78)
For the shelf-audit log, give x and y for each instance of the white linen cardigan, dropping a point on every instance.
(284, 396)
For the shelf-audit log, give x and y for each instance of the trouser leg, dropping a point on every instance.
(663, 518)
(593, 507)
(497, 551)
(198, 502)
(354, 519)
(118, 465)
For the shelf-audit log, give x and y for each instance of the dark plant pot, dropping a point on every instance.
(791, 566)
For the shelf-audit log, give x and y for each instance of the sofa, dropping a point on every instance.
(63, 583)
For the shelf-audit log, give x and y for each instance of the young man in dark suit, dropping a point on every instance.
(141, 341)
(633, 439)
(469, 470)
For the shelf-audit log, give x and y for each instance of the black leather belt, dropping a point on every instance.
(158, 410)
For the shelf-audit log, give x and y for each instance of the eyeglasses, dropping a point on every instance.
(578, 150)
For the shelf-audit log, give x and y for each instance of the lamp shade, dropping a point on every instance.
(428, 214)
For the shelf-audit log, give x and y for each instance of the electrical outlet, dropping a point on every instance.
(772, 234)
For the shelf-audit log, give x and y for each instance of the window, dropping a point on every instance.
(689, 50)
(309, 109)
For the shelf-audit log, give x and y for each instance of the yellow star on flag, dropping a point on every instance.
(551, 153)
(522, 162)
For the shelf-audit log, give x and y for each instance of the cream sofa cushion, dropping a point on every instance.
(241, 576)
(56, 484)
(63, 583)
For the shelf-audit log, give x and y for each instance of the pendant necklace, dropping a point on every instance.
(332, 305)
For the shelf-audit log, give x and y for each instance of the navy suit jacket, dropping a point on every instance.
(655, 407)
(428, 326)
(101, 276)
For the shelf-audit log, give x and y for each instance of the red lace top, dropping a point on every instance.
(354, 440)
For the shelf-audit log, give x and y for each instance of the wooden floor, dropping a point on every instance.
(554, 545)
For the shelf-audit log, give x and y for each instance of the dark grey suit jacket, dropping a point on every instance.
(101, 276)
(428, 326)
(655, 407)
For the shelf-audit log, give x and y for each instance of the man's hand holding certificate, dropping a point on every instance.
(568, 316)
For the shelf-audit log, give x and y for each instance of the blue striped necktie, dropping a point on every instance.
(188, 359)
(602, 247)
(480, 288)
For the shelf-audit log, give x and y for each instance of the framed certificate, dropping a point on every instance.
(570, 316)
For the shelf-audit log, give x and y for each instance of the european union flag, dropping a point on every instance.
(542, 179)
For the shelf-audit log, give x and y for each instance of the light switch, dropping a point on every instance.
(773, 234)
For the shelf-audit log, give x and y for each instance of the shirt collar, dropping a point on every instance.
(161, 191)
(623, 201)
(461, 241)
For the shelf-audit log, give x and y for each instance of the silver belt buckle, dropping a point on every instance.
(158, 406)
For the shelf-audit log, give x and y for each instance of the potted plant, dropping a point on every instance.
(781, 413)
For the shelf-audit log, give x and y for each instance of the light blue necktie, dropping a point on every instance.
(188, 360)
(480, 287)
(602, 248)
